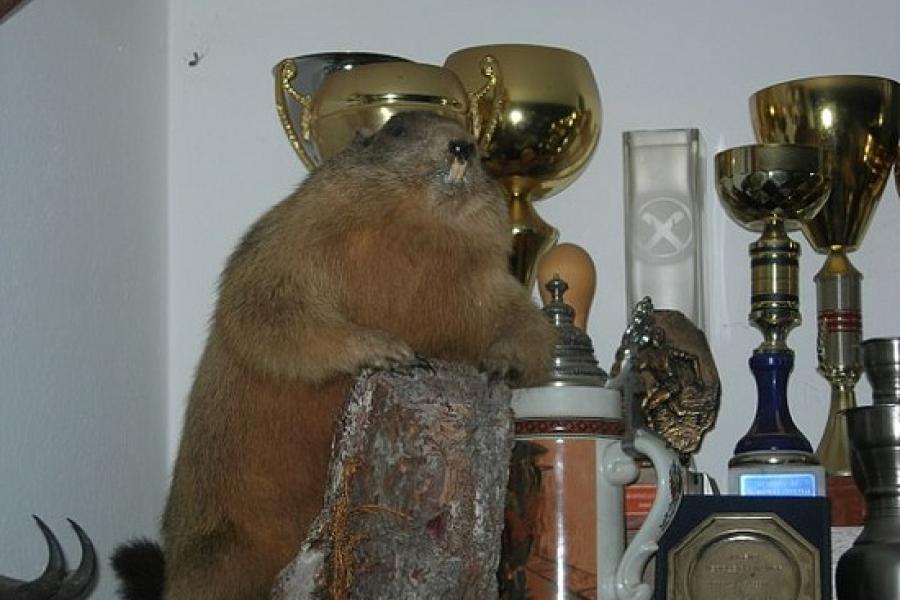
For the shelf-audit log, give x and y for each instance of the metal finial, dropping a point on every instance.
(573, 362)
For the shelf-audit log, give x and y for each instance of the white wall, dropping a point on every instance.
(82, 276)
(658, 64)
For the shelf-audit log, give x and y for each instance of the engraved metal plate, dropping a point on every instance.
(752, 556)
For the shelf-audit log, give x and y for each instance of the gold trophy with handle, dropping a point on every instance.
(297, 79)
(537, 125)
(324, 101)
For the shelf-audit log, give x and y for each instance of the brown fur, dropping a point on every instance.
(375, 258)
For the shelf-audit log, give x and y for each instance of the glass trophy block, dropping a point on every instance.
(663, 215)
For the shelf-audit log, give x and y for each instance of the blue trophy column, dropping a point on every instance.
(773, 428)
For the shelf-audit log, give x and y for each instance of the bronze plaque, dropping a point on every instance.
(752, 556)
(679, 382)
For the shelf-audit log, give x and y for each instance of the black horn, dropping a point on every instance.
(54, 583)
(81, 580)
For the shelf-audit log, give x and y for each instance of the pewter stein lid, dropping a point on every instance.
(573, 361)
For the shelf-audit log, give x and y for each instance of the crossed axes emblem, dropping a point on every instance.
(662, 230)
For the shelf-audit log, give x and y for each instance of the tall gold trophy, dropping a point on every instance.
(857, 119)
(537, 127)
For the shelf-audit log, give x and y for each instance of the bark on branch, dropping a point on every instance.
(417, 482)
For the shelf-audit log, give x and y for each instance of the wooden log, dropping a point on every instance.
(417, 483)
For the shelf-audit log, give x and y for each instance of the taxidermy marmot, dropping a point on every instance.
(395, 248)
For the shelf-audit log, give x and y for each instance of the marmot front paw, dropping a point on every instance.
(524, 356)
(520, 366)
(379, 350)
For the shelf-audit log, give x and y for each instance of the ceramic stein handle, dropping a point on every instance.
(287, 71)
(620, 469)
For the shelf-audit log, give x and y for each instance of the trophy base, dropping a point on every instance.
(848, 507)
(728, 547)
(776, 474)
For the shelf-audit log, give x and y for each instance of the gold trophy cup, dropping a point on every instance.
(325, 101)
(297, 79)
(537, 129)
(857, 119)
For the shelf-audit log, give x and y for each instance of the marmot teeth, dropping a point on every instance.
(457, 171)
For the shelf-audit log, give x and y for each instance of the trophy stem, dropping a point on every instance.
(774, 298)
(773, 430)
(774, 310)
(834, 447)
(839, 299)
(532, 238)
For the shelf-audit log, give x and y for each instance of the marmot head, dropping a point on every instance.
(423, 146)
(421, 156)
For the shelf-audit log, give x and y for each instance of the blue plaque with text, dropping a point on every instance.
(778, 484)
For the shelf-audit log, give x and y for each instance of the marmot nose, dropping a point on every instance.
(461, 149)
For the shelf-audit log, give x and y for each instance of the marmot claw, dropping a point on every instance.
(418, 364)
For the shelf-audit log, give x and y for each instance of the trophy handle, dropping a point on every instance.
(619, 469)
(484, 132)
(287, 71)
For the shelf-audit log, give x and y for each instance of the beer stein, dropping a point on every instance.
(574, 453)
